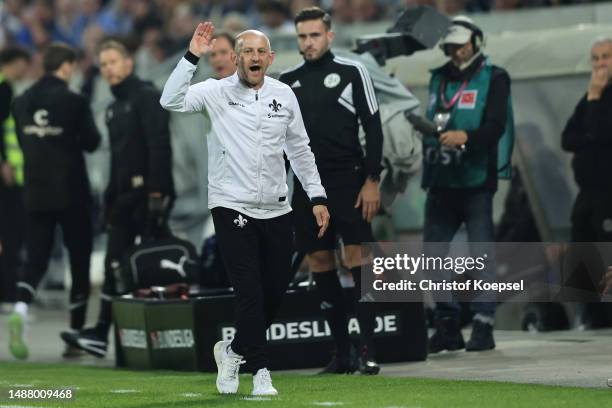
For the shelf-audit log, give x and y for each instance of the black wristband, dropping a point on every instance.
(191, 57)
(318, 201)
(374, 177)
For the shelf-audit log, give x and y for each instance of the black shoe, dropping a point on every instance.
(89, 340)
(446, 337)
(367, 362)
(342, 364)
(481, 338)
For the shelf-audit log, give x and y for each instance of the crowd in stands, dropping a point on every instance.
(162, 27)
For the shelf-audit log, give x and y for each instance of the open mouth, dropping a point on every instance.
(255, 68)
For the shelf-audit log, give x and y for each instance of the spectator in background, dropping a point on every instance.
(297, 5)
(67, 24)
(222, 58)
(140, 191)
(116, 18)
(451, 7)
(11, 22)
(342, 12)
(13, 67)
(39, 25)
(182, 24)
(55, 126)
(367, 10)
(275, 17)
(234, 23)
(470, 102)
(588, 135)
(92, 36)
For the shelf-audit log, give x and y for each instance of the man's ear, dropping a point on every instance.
(131, 63)
(272, 55)
(330, 36)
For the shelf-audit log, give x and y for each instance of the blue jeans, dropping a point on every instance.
(445, 211)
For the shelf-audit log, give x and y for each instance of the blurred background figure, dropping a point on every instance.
(55, 126)
(587, 135)
(275, 17)
(13, 67)
(140, 191)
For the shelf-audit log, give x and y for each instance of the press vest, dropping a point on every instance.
(464, 168)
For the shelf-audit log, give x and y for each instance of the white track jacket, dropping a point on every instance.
(250, 131)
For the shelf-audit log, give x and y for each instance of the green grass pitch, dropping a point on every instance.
(113, 388)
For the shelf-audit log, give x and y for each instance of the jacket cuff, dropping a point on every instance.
(374, 173)
(318, 201)
(191, 57)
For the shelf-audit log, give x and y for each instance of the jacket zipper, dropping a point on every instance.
(259, 184)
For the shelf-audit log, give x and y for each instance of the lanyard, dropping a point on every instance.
(449, 105)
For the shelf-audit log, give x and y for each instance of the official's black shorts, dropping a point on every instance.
(346, 221)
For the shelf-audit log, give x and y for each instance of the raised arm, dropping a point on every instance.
(178, 95)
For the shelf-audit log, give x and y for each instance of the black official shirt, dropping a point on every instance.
(336, 95)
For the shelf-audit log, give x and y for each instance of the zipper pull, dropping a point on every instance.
(256, 96)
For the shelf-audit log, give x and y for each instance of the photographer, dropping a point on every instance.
(470, 105)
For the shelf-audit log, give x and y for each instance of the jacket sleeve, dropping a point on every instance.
(87, 132)
(178, 95)
(155, 123)
(366, 106)
(572, 138)
(590, 125)
(496, 111)
(300, 156)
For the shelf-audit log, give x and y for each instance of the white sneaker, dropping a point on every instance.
(228, 365)
(262, 383)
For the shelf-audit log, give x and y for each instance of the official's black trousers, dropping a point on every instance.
(591, 222)
(12, 227)
(77, 235)
(257, 256)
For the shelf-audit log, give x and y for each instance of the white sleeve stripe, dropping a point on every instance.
(366, 80)
(347, 105)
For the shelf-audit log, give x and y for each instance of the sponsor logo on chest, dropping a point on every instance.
(331, 80)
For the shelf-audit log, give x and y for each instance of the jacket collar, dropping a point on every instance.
(50, 79)
(324, 60)
(235, 79)
(453, 73)
(124, 88)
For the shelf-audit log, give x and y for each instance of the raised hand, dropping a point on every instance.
(599, 80)
(202, 42)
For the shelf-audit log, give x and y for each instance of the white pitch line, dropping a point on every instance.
(328, 404)
(256, 399)
(17, 406)
(124, 391)
(190, 395)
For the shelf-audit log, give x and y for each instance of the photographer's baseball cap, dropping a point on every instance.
(458, 32)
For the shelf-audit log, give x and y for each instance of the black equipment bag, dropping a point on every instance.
(159, 262)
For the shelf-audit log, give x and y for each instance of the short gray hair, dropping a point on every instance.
(604, 39)
(239, 39)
